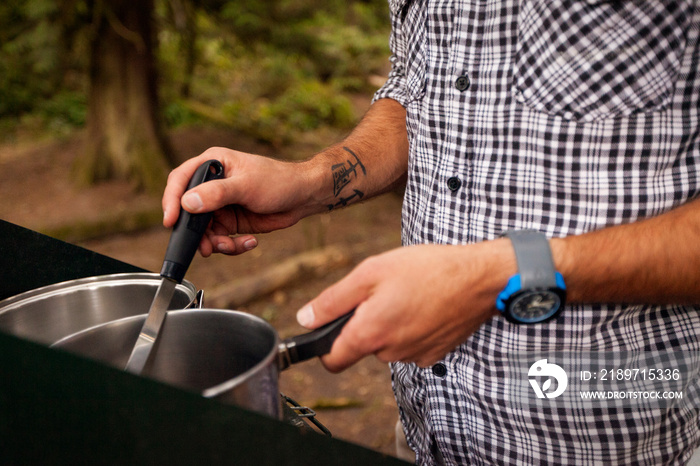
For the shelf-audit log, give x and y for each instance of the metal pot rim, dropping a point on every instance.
(269, 359)
(55, 289)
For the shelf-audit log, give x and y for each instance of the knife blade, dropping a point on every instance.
(184, 240)
(151, 328)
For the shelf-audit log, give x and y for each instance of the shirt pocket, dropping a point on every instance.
(410, 42)
(594, 59)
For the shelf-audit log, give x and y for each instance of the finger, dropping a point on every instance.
(359, 338)
(341, 358)
(205, 247)
(219, 236)
(233, 246)
(334, 301)
(178, 180)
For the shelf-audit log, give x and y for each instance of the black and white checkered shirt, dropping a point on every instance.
(564, 116)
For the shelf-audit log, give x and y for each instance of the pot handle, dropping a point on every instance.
(189, 228)
(199, 298)
(315, 343)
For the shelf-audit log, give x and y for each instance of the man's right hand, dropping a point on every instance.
(256, 195)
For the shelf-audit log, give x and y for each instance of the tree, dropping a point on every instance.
(182, 15)
(272, 69)
(125, 138)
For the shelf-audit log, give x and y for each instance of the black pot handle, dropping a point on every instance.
(309, 345)
(189, 228)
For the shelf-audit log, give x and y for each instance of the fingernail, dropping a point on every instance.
(192, 202)
(223, 247)
(305, 316)
(250, 244)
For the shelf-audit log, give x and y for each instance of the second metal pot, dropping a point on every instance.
(227, 355)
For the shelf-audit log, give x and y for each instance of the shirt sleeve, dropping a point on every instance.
(395, 86)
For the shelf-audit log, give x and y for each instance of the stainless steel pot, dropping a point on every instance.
(227, 355)
(47, 314)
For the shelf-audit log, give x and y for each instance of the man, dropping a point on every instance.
(577, 120)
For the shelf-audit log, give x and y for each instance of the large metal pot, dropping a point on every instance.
(227, 355)
(47, 314)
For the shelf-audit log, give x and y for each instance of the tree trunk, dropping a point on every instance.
(184, 18)
(124, 134)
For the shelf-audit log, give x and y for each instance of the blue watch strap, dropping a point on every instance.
(514, 285)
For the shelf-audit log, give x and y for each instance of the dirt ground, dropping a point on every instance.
(356, 405)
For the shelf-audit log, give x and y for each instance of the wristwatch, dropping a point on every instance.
(537, 293)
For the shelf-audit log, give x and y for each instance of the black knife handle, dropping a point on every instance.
(189, 228)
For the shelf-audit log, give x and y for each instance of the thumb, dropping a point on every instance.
(208, 197)
(333, 302)
(347, 349)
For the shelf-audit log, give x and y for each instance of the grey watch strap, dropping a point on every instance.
(534, 256)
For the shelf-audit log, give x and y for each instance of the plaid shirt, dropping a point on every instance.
(564, 116)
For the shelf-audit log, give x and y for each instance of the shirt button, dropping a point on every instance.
(454, 183)
(462, 83)
(439, 370)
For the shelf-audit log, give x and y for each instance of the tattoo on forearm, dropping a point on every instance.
(343, 174)
(345, 200)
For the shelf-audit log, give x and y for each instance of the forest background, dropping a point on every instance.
(128, 70)
(99, 99)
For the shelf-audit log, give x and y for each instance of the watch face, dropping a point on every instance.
(535, 306)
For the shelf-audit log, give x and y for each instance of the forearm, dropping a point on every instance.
(654, 261)
(371, 160)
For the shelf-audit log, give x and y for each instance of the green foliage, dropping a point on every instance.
(270, 68)
(177, 113)
(304, 106)
(287, 67)
(42, 76)
(344, 53)
(337, 39)
(66, 108)
(26, 55)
